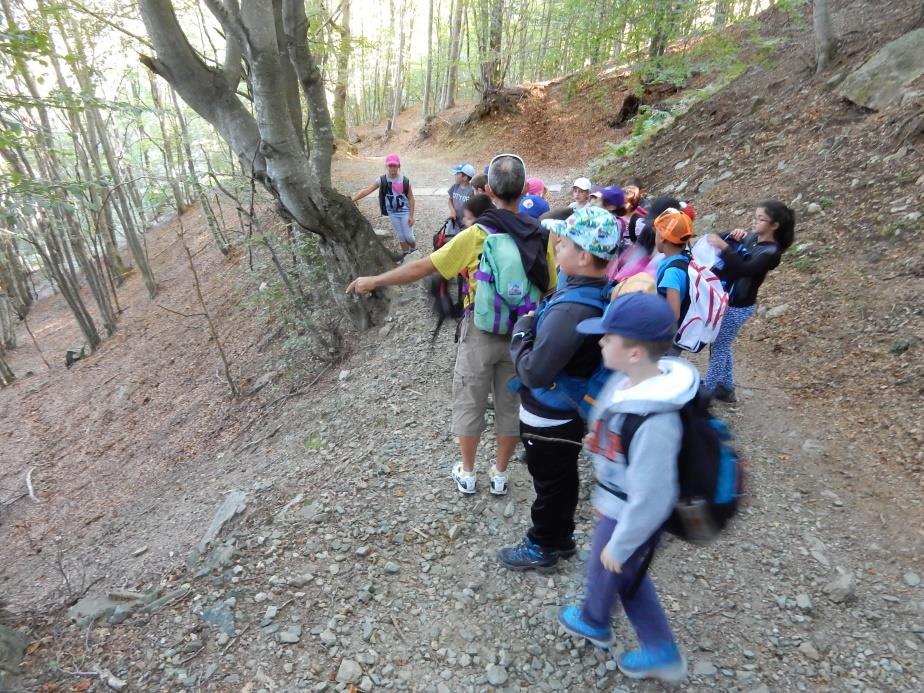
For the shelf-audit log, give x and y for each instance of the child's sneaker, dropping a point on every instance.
(527, 555)
(572, 620)
(498, 482)
(464, 480)
(662, 663)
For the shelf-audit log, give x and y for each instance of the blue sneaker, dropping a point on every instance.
(572, 620)
(663, 663)
(527, 555)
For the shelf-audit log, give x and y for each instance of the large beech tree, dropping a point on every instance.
(271, 38)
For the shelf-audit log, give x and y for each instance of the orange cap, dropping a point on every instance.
(675, 227)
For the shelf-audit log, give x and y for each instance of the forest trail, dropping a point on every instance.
(354, 558)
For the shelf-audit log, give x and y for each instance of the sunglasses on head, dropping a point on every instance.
(512, 156)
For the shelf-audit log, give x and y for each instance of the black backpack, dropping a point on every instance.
(709, 472)
(446, 295)
(385, 191)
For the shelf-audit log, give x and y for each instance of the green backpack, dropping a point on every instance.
(504, 292)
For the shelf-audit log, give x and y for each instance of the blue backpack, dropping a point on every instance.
(570, 392)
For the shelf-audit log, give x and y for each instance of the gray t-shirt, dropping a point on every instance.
(459, 195)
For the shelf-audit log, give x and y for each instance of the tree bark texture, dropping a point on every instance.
(825, 41)
(267, 143)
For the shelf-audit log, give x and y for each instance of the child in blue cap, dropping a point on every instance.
(637, 485)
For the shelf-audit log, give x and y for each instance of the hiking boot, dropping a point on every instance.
(527, 555)
(572, 620)
(724, 394)
(498, 482)
(663, 663)
(465, 481)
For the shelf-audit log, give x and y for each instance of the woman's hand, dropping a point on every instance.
(715, 240)
(410, 220)
(739, 234)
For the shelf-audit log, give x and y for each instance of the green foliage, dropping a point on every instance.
(313, 441)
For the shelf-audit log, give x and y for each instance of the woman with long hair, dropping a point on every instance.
(746, 259)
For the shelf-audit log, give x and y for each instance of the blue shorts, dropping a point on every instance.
(403, 231)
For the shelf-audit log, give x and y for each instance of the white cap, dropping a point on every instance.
(582, 183)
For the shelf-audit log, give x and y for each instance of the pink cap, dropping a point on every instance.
(392, 160)
(535, 186)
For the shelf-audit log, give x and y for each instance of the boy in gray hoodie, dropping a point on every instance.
(637, 488)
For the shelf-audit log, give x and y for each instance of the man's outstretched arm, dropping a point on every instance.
(404, 274)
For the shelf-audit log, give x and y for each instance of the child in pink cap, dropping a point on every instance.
(534, 186)
(396, 201)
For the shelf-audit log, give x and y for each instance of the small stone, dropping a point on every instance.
(349, 671)
(291, 635)
(704, 667)
(115, 683)
(391, 567)
(812, 208)
(808, 649)
(804, 602)
(328, 638)
(453, 532)
(344, 375)
(288, 667)
(222, 639)
(842, 588)
(777, 311)
(261, 597)
(497, 675)
(366, 684)
(271, 612)
(509, 509)
(912, 579)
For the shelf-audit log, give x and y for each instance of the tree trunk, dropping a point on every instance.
(428, 80)
(720, 18)
(221, 240)
(825, 41)
(397, 96)
(448, 99)
(343, 72)
(491, 73)
(267, 143)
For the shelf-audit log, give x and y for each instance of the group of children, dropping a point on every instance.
(605, 236)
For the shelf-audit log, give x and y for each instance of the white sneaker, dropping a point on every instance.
(464, 480)
(498, 482)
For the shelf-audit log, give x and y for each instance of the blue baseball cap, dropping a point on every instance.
(646, 317)
(465, 169)
(533, 205)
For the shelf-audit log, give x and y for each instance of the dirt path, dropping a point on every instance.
(355, 556)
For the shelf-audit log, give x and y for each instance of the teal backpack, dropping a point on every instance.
(504, 292)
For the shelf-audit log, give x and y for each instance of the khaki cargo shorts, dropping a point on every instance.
(483, 366)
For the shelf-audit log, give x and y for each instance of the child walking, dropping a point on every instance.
(396, 201)
(637, 485)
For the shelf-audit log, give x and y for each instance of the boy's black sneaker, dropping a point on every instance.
(528, 555)
(724, 394)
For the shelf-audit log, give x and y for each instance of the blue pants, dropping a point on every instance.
(642, 608)
(403, 231)
(721, 363)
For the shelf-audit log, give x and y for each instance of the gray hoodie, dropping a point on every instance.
(640, 493)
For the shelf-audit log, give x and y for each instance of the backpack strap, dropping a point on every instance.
(630, 426)
(682, 262)
(384, 188)
(407, 186)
